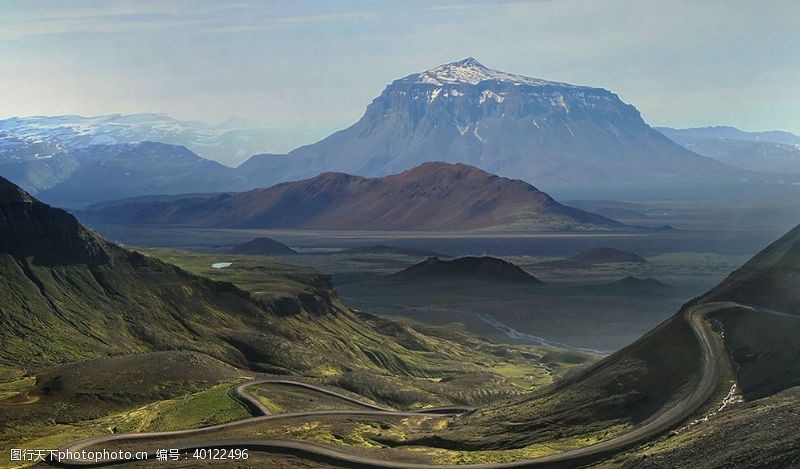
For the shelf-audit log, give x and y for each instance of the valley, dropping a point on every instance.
(310, 235)
(578, 305)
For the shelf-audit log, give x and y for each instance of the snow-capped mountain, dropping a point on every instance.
(555, 135)
(39, 153)
(229, 143)
(473, 72)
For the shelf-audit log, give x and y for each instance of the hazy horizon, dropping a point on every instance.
(315, 66)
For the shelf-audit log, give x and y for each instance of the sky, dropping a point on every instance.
(315, 65)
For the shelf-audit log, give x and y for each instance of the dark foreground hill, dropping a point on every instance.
(771, 279)
(466, 268)
(433, 196)
(263, 247)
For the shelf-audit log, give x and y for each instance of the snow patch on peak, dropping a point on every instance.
(472, 72)
(489, 94)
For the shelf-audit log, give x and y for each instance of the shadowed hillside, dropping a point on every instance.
(770, 279)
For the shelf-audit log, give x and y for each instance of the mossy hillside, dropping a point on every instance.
(195, 410)
(144, 392)
(263, 277)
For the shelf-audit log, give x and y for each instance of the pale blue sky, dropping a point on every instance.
(317, 64)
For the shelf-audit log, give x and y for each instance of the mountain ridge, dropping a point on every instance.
(433, 196)
(767, 152)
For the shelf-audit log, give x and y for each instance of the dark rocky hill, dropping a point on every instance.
(263, 247)
(466, 268)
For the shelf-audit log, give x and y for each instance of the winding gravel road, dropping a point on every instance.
(712, 357)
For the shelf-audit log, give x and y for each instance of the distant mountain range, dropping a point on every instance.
(432, 196)
(732, 133)
(70, 177)
(771, 152)
(551, 134)
(107, 172)
(230, 142)
(572, 141)
(57, 153)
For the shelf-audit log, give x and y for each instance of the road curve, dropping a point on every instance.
(667, 419)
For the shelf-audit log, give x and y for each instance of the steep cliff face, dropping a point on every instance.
(29, 228)
(548, 133)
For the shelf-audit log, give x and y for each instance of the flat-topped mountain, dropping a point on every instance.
(263, 247)
(552, 134)
(484, 268)
(432, 196)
